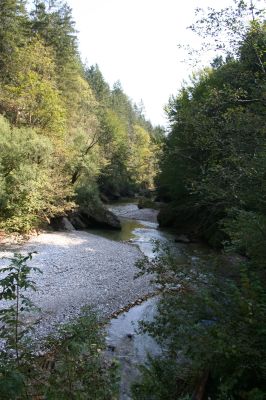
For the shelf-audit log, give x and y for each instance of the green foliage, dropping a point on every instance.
(88, 196)
(202, 304)
(130, 145)
(53, 22)
(15, 282)
(115, 177)
(16, 356)
(247, 232)
(29, 191)
(79, 372)
(214, 157)
(13, 31)
(89, 134)
(100, 88)
(31, 96)
(90, 127)
(210, 319)
(159, 381)
(223, 29)
(142, 159)
(131, 154)
(11, 384)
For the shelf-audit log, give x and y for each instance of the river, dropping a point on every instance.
(124, 342)
(83, 268)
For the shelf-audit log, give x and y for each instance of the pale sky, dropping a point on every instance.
(136, 42)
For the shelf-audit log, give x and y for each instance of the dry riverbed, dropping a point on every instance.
(80, 269)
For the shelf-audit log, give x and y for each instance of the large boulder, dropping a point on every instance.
(62, 224)
(77, 221)
(100, 216)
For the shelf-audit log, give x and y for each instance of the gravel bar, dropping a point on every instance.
(131, 211)
(81, 269)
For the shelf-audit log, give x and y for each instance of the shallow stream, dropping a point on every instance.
(140, 228)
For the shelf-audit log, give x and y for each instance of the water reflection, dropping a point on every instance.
(143, 233)
(125, 234)
(135, 230)
(124, 342)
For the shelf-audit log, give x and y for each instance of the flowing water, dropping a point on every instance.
(138, 227)
(125, 343)
(128, 346)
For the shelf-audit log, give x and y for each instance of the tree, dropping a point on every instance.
(214, 150)
(53, 22)
(31, 96)
(30, 192)
(223, 30)
(13, 30)
(51, 99)
(213, 174)
(141, 162)
(100, 88)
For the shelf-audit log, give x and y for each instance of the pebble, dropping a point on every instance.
(80, 269)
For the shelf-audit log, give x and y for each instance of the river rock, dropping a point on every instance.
(77, 221)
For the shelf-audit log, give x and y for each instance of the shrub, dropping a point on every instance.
(78, 369)
(210, 320)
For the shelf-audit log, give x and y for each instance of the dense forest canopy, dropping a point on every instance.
(64, 131)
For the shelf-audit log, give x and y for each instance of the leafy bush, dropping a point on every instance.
(160, 381)
(16, 355)
(247, 232)
(88, 196)
(30, 190)
(78, 369)
(210, 320)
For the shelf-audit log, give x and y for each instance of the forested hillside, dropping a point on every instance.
(64, 133)
(213, 164)
(68, 142)
(211, 320)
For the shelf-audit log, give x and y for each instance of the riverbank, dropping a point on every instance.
(80, 269)
(97, 268)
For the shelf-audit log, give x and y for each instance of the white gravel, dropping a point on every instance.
(132, 211)
(81, 269)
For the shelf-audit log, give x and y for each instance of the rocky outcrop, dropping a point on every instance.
(86, 218)
(91, 218)
(61, 224)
